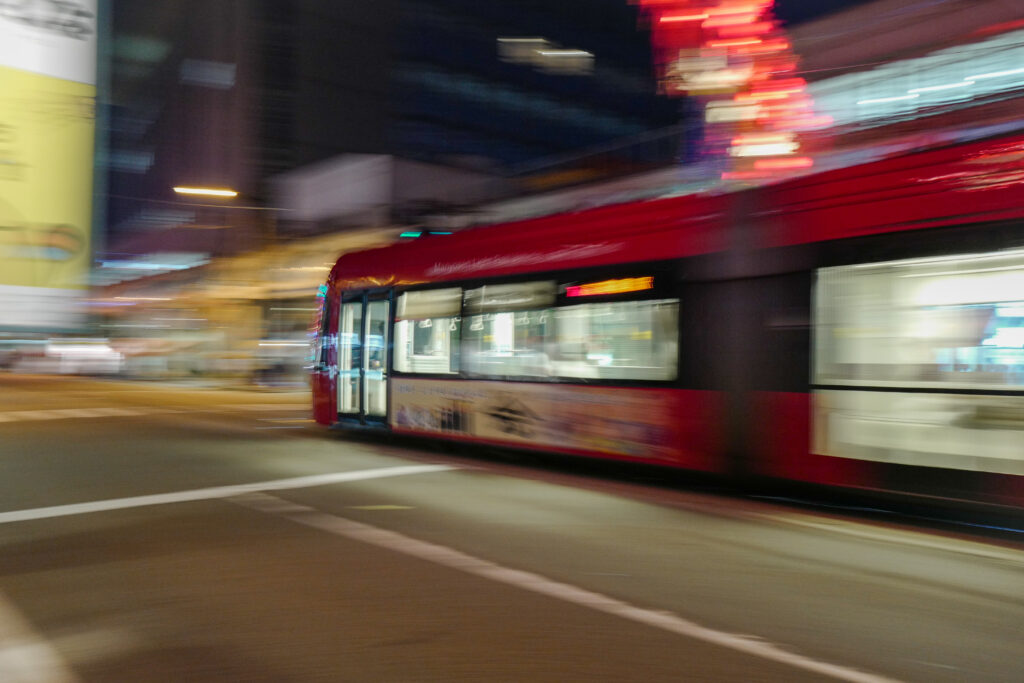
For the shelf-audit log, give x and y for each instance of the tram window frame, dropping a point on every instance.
(948, 318)
(600, 359)
(528, 360)
(666, 287)
(454, 347)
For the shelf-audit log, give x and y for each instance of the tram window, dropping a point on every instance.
(923, 322)
(625, 340)
(940, 323)
(427, 331)
(507, 328)
(507, 344)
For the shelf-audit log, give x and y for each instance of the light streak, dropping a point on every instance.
(783, 164)
(947, 86)
(995, 74)
(734, 42)
(767, 150)
(205, 191)
(729, 20)
(674, 18)
(881, 100)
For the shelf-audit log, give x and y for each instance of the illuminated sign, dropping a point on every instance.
(620, 286)
(47, 117)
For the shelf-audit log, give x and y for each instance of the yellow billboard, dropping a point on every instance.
(47, 129)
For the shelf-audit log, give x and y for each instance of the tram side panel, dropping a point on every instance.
(323, 377)
(650, 425)
(914, 369)
(770, 384)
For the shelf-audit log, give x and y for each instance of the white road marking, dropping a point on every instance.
(216, 492)
(262, 406)
(113, 411)
(37, 414)
(25, 656)
(66, 413)
(935, 664)
(454, 559)
(116, 412)
(79, 412)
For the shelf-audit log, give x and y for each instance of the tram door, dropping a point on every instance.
(363, 358)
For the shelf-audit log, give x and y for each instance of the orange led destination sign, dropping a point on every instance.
(621, 286)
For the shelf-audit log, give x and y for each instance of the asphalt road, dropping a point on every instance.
(154, 533)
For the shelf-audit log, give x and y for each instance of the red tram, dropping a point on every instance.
(859, 328)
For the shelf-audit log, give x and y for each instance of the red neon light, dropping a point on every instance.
(787, 83)
(765, 47)
(729, 20)
(783, 164)
(739, 9)
(793, 104)
(734, 42)
(776, 93)
(670, 18)
(999, 28)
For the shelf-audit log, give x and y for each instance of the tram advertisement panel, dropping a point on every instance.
(643, 423)
(47, 102)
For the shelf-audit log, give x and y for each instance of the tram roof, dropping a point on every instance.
(982, 181)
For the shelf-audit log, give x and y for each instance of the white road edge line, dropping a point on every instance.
(454, 559)
(216, 492)
(25, 656)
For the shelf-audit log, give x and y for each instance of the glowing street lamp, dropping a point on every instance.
(205, 191)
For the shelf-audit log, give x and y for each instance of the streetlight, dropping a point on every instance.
(205, 191)
(268, 228)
